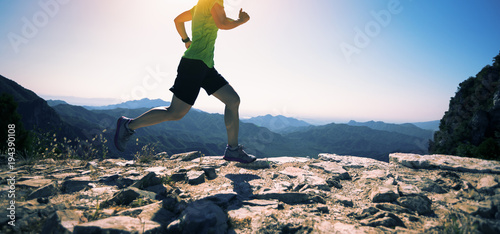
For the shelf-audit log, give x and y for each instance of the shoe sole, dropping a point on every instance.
(237, 160)
(117, 133)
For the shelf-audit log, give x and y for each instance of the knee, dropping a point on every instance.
(176, 115)
(234, 102)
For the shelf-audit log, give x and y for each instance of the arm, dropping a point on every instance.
(221, 20)
(181, 28)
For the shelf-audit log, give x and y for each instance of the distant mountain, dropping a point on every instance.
(407, 129)
(206, 132)
(136, 104)
(278, 124)
(35, 113)
(430, 125)
(344, 139)
(53, 103)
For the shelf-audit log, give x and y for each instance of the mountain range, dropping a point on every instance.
(264, 136)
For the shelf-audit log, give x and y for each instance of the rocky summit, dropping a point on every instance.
(193, 193)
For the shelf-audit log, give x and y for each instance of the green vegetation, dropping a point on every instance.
(8, 111)
(471, 126)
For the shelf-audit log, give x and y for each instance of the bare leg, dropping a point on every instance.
(231, 114)
(175, 111)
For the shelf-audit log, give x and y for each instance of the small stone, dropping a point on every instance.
(45, 191)
(187, 156)
(294, 172)
(195, 177)
(255, 165)
(126, 196)
(408, 189)
(210, 172)
(336, 170)
(148, 180)
(419, 203)
(62, 221)
(347, 202)
(203, 217)
(76, 184)
(118, 224)
(487, 184)
(286, 197)
(384, 194)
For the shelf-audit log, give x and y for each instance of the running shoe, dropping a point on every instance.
(123, 133)
(238, 155)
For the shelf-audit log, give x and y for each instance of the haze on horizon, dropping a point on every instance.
(387, 60)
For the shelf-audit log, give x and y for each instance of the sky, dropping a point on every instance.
(317, 60)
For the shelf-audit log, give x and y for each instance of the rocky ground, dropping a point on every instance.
(192, 193)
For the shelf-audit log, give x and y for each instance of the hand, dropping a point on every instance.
(243, 17)
(188, 44)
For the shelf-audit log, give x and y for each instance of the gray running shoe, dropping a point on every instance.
(238, 155)
(123, 133)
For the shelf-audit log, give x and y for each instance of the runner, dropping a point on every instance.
(196, 70)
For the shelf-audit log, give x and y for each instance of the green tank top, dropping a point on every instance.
(204, 32)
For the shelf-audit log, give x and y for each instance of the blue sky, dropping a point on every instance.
(327, 60)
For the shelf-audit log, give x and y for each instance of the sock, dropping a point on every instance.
(126, 126)
(232, 148)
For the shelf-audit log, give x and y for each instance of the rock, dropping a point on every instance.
(487, 184)
(384, 219)
(118, 224)
(347, 202)
(336, 170)
(374, 174)
(201, 217)
(258, 202)
(393, 208)
(148, 180)
(180, 176)
(418, 203)
(384, 194)
(76, 184)
(374, 217)
(33, 183)
(126, 196)
(430, 186)
(352, 161)
(62, 221)
(286, 197)
(157, 170)
(255, 165)
(294, 172)
(210, 172)
(153, 212)
(408, 189)
(45, 191)
(484, 209)
(313, 181)
(281, 160)
(187, 156)
(125, 164)
(195, 177)
(334, 182)
(446, 162)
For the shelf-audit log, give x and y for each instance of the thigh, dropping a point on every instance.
(190, 76)
(213, 81)
(179, 107)
(227, 95)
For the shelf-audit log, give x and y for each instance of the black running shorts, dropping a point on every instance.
(193, 74)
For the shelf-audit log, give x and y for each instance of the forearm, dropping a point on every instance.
(230, 24)
(180, 23)
(181, 29)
